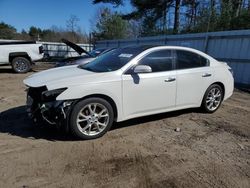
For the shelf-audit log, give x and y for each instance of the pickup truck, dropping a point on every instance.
(20, 54)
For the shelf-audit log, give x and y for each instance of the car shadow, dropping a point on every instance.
(34, 68)
(15, 122)
(10, 70)
(4, 69)
(150, 118)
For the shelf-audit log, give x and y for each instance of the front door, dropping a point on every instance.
(149, 93)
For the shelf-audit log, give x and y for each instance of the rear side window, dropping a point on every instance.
(187, 60)
(159, 61)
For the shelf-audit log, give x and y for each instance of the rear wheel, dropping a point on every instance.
(212, 98)
(91, 118)
(21, 65)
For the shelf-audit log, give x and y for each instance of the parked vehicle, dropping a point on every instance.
(127, 83)
(20, 54)
(84, 56)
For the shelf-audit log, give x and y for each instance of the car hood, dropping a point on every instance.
(62, 77)
(77, 61)
(76, 47)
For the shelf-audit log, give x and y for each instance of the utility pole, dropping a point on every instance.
(38, 37)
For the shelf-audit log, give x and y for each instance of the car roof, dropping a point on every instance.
(146, 46)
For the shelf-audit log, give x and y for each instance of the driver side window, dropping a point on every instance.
(161, 60)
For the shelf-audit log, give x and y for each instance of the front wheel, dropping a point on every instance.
(212, 98)
(91, 118)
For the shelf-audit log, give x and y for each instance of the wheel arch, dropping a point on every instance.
(222, 86)
(105, 97)
(218, 83)
(18, 54)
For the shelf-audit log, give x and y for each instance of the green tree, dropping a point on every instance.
(114, 2)
(110, 26)
(7, 31)
(242, 21)
(35, 32)
(152, 14)
(185, 16)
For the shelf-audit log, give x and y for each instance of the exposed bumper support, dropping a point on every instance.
(53, 113)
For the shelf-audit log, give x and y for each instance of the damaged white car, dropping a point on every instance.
(126, 83)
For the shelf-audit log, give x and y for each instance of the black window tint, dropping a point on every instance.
(186, 59)
(204, 62)
(112, 60)
(159, 60)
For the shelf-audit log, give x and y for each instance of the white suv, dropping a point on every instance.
(126, 83)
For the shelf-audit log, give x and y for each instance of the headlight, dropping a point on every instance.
(52, 94)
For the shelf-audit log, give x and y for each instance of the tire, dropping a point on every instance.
(91, 118)
(21, 65)
(212, 98)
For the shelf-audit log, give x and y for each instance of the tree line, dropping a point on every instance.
(71, 32)
(157, 17)
(147, 18)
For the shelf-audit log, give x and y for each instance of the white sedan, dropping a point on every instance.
(127, 83)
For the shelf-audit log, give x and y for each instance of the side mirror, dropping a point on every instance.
(142, 69)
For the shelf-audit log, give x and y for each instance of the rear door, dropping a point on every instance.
(194, 76)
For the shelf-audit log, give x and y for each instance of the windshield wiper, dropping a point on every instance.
(85, 68)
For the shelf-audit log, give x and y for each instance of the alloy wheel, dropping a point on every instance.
(213, 99)
(20, 65)
(92, 119)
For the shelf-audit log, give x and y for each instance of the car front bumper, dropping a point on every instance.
(53, 112)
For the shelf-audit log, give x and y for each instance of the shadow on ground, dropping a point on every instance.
(16, 122)
(34, 68)
(6, 69)
(151, 118)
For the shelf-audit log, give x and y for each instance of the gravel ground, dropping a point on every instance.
(211, 150)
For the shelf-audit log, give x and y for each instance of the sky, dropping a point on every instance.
(45, 13)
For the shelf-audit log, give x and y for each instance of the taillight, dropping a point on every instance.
(40, 49)
(231, 70)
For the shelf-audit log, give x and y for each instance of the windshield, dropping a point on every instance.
(113, 60)
(96, 52)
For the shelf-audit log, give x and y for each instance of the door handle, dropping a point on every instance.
(170, 79)
(206, 75)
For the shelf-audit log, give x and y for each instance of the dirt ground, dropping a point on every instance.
(212, 150)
